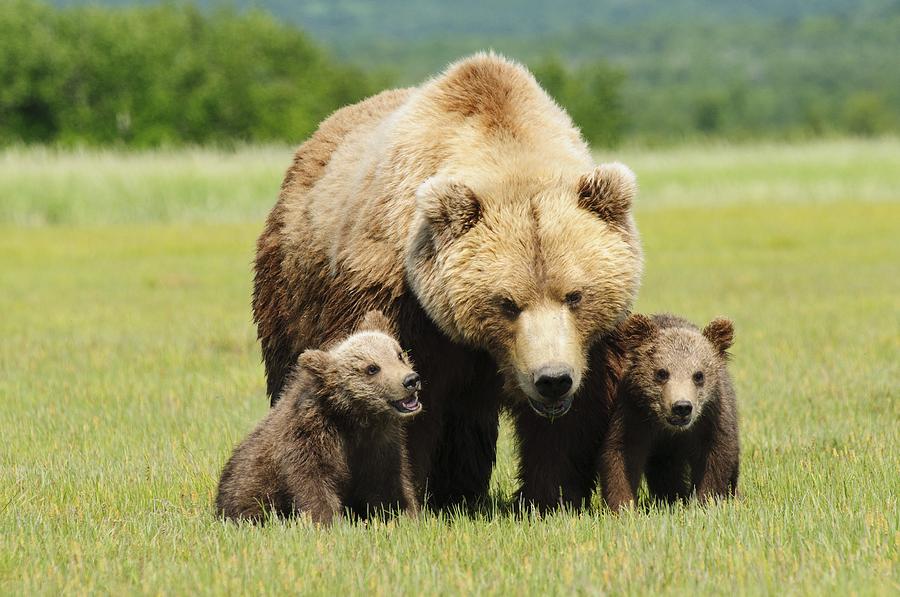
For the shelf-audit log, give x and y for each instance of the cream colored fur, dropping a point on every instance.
(486, 140)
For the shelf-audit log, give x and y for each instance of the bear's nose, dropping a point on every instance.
(411, 382)
(682, 408)
(553, 381)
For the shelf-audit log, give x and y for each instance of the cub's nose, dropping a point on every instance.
(682, 408)
(553, 381)
(411, 382)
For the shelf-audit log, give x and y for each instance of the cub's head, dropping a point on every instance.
(367, 373)
(673, 370)
(531, 269)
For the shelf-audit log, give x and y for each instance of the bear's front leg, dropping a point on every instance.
(461, 469)
(409, 500)
(558, 458)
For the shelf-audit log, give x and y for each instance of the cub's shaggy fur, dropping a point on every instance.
(335, 440)
(470, 211)
(676, 416)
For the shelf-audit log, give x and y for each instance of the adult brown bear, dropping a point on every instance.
(470, 212)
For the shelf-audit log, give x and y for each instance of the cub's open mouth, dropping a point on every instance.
(407, 405)
(551, 411)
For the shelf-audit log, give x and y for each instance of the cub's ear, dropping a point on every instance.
(450, 207)
(634, 331)
(375, 321)
(720, 332)
(608, 191)
(314, 361)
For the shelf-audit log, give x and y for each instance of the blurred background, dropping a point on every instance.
(146, 74)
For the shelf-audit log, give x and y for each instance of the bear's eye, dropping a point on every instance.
(373, 369)
(510, 308)
(698, 378)
(400, 355)
(661, 375)
(573, 298)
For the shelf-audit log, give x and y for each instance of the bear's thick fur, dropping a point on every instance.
(470, 211)
(335, 440)
(675, 419)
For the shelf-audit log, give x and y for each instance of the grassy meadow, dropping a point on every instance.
(129, 369)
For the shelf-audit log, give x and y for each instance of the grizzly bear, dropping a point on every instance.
(335, 440)
(469, 210)
(675, 419)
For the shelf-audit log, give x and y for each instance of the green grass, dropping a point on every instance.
(97, 187)
(129, 368)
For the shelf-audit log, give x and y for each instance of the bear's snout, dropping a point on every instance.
(553, 381)
(682, 408)
(681, 413)
(411, 382)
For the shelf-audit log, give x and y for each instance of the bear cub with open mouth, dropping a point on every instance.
(675, 419)
(335, 441)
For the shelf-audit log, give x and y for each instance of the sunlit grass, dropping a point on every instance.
(44, 186)
(129, 368)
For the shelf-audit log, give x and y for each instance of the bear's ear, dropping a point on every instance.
(608, 191)
(315, 361)
(720, 332)
(450, 207)
(634, 331)
(375, 321)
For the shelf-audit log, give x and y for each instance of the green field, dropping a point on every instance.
(129, 368)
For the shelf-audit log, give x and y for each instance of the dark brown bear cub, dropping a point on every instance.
(675, 419)
(335, 440)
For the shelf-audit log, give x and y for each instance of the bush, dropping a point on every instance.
(592, 96)
(165, 74)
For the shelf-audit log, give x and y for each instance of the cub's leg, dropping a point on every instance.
(312, 479)
(667, 473)
(622, 462)
(715, 470)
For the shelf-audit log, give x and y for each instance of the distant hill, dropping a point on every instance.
(716, 66)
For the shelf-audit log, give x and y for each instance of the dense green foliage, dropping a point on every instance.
(644, 69)
(592, 94)
(129, 367)
(730, 68)
(150, 75)
(162, 74)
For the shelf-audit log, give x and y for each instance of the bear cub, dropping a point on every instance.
(675, 418)
(335, 441)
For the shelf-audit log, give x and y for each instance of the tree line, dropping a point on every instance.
(169, 74)
(164, 74)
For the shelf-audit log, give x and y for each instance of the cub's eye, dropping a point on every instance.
(698, 378)
(573, 298)
(373, 369)
(510, 308)
(661, 375)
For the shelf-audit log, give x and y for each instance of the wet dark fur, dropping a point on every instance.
(703, 459)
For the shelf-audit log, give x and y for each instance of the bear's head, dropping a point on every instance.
(673, 372)
(367, 373)
(530, 269)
